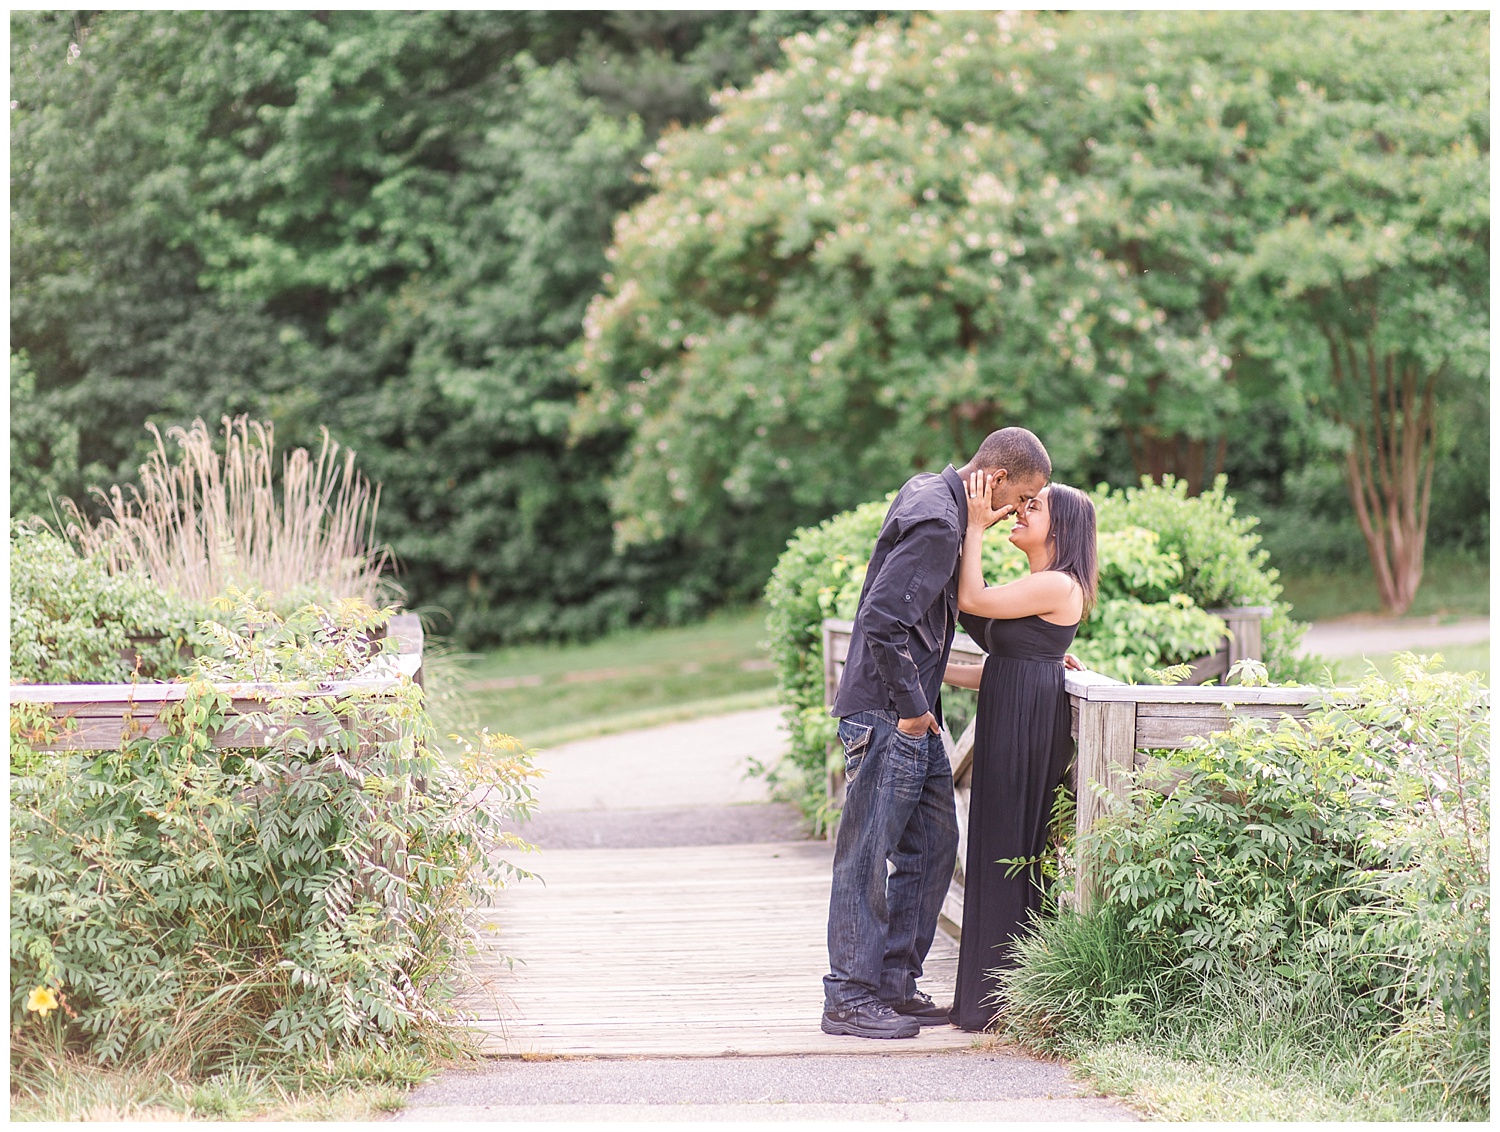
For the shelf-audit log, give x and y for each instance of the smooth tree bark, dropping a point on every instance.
(1392, 419)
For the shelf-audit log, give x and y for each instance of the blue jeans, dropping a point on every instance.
(899, 808)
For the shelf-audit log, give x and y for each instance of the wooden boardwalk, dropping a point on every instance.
(682, 952)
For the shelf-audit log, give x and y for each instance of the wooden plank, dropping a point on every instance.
(689, 952)
(175, 693)
(836, 632)
(112, 734)
(1178, 725)
(105, 716)
(1207, 668)
(1098, 691)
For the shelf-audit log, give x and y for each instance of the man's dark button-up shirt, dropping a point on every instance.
(903, 629)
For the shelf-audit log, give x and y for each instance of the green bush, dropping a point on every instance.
(1223, 563)
(1347, 853)
(72, 621)
(181, 903)
(1163, 558)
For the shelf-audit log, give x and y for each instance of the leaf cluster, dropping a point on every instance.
(299, 886)
(1349, 850)
(74, 620)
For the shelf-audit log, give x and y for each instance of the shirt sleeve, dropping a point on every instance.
(912, 576)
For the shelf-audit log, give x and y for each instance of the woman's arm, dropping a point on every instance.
(1047, 592)
(963, 675)
(970, 570)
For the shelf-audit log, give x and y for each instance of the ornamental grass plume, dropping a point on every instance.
(208, 522)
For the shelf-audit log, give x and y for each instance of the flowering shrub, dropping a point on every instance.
(300, 891)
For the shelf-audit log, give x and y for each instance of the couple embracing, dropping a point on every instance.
(898, 836)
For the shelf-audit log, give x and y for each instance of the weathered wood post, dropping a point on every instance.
(1244, 624)
(1106, 756)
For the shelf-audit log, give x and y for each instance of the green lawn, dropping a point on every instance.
(1451, 585)
(548, 694)
(1455, 658)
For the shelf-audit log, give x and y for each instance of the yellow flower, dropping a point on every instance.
(42, 1000)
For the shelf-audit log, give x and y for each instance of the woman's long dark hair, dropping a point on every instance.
(1073, 541)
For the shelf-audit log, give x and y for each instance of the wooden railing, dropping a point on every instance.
(103, 717)
(1113, 723)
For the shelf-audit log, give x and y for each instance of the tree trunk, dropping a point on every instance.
(1389, 409)
(1184, 457)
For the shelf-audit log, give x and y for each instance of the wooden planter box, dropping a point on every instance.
(103, 717)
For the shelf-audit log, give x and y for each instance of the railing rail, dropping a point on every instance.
(1112, 722)
(102, 717)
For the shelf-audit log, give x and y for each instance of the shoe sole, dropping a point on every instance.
(920, 1021)
(845, 1029)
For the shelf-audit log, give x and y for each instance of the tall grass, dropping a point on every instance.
(208, 521)
(1268, 1043)
(1301, 925)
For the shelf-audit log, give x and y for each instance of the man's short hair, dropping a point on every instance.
(1017, 450)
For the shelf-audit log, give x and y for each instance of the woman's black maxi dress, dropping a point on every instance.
(1022, 746)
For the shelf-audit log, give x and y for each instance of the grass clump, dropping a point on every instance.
(210, 521)
(366, 1085)
(1308, 909)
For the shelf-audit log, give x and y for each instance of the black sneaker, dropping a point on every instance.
(923, 1009)
(869, 1019)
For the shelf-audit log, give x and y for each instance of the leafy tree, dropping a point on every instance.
(1368, 279)
(386, 222)
(881, 252)
(43, 448)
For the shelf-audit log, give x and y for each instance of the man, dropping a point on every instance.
(899, 807)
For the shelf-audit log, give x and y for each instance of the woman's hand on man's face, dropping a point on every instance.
(981, 511)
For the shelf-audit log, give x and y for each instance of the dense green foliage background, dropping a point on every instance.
(386, 222)
(1138, 234)
(393, 223)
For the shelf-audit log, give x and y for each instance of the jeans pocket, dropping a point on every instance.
(856, 740)
(909, 752)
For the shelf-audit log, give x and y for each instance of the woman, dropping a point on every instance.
(1022, 740)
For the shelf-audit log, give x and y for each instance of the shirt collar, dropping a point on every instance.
(960, 493)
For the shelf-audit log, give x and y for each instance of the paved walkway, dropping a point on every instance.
(670, 967)
(1367, 634)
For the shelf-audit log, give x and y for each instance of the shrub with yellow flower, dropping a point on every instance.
(42, 1000)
